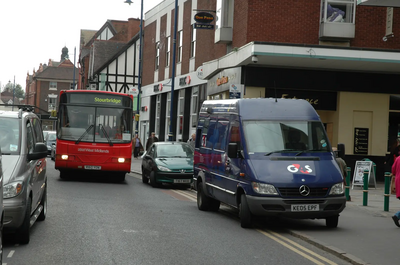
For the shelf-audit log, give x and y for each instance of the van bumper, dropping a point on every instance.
(13, 216)
(276, 206)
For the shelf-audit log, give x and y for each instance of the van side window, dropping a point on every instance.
(30, 142)
(222, 129)
(212, 133)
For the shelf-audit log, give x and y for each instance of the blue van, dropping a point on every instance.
(267, 157)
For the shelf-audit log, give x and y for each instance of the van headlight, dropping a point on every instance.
(337, 189)
(12, 190)
(264, 188)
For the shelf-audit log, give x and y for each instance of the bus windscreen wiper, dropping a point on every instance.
(83, 135)
(106, 134)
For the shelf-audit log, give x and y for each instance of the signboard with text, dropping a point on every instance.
(361, 136)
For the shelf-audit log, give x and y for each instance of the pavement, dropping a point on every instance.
(365, 229)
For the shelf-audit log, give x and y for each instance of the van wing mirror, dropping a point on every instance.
(233, 150)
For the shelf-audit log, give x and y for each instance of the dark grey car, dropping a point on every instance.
(24, 170)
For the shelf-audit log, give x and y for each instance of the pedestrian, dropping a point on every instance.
(137, 146)
(396, 174)
(394, 153)
(192, 140)
(152, 139)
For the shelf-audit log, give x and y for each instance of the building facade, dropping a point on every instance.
(45, 84)
(340, 55)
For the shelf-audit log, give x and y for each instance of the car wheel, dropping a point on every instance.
(332, 221)
(153, 182)
(244, 213)
(145, 180)
(43, 203)
(203, 201)
(23, 233)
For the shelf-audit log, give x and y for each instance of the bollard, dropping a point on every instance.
(365, 191)
(347, 187)
(388, 180)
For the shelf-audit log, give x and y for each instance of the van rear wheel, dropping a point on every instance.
(332, 221)
(244, 213)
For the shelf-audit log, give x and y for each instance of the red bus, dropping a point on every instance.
(94, 133)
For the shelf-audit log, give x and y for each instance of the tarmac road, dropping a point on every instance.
(365, 234)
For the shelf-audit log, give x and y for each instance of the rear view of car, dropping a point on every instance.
(168, 162)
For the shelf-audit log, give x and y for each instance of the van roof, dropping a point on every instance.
(262, 108)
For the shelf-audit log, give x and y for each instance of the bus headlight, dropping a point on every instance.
(264, 188)
(121, 160)
(64, 157)
(337, 189)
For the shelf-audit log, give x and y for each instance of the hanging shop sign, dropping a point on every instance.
(203, 26)
(204, 17)
(203, 20)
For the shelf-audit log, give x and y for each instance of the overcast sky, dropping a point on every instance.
(34, 31)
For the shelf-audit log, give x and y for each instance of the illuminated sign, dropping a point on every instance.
(204, 17)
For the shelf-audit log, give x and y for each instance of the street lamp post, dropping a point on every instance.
(171, 135)
(140, 60)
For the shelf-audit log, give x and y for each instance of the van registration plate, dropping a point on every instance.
(305, 208)
(93, 167)
(181, 180)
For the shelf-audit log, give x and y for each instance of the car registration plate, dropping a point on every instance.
(93, 167)
(181, 180)
(305, 208)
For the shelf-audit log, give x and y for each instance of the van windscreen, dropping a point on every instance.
(290, 136)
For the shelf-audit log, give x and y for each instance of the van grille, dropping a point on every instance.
(294, 192)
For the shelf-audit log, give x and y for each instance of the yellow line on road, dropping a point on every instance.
(275, 236)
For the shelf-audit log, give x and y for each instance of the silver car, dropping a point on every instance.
(24, 171)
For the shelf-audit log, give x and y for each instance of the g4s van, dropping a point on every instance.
(267, 157)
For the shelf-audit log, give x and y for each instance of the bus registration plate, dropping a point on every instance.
(305, 207)
(181, 180)
(93, 167)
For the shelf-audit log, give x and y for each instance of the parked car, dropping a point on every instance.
(49, 140)
(168, 162)
(24, 171)
(45, 134)
(53, 151)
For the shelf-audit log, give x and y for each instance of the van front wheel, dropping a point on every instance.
(244, 213)
(332, 221)
(203, 201)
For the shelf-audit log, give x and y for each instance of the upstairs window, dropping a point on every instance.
(193, 43)
(168, 52)
(338, 11)
(180, 46)
(53, 86)
(157, 63)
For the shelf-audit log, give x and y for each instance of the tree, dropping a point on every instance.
(19, 92)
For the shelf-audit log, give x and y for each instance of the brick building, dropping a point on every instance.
(341, 55)
(45, 84)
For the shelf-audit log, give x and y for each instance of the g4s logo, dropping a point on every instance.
(296, 168)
